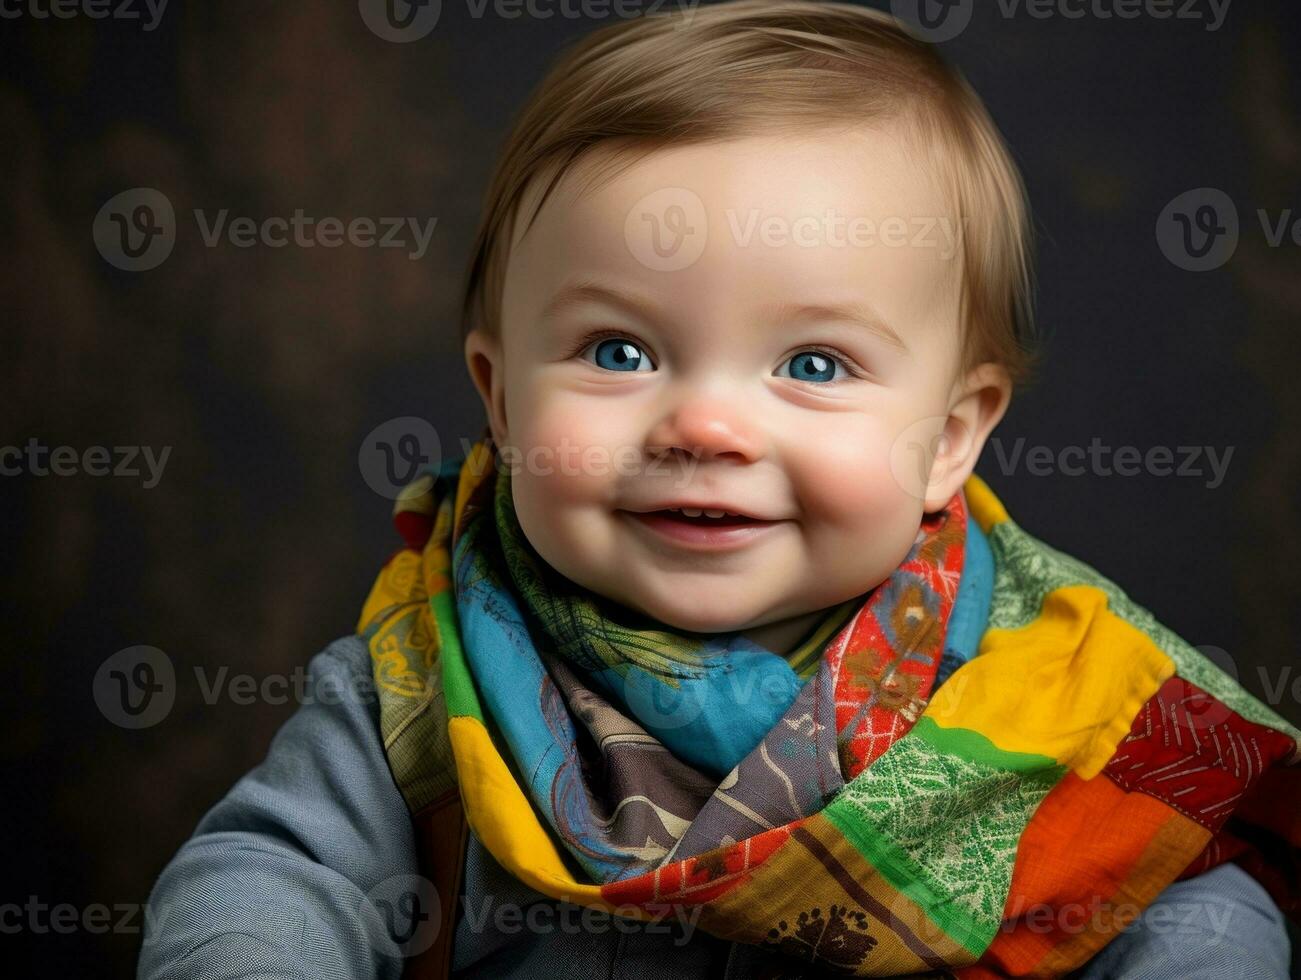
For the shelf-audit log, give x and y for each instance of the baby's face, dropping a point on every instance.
(801, 381)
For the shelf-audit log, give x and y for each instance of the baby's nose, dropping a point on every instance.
(708, 428)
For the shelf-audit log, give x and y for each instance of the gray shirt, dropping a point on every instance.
(307, 869)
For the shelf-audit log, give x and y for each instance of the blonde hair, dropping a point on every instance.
(732, 69)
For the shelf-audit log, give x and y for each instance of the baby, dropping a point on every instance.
(712, 657)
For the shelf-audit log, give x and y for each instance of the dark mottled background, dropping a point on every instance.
(263, 368)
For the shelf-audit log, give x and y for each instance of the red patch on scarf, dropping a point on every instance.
(1194, 753)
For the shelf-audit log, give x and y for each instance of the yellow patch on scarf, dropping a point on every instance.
(1066, 685)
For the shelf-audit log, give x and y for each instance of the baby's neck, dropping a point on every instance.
(784, 635)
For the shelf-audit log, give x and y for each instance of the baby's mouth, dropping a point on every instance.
(702, 529)
(705, 518)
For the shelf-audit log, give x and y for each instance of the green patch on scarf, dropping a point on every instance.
(940, 814)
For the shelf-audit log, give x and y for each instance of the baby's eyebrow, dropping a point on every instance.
(858, 314)
(590, 290)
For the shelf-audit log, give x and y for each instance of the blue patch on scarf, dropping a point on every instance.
(971, 609)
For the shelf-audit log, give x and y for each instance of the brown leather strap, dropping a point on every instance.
(441, 834)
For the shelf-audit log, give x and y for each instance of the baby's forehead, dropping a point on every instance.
(867, 172)
(772, 217)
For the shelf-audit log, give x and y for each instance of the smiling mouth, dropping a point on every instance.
(701, 530)
(705, 518)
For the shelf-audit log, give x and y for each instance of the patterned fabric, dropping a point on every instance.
(952, 772)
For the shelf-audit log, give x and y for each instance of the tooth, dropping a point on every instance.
(691, 511)
(715, 513)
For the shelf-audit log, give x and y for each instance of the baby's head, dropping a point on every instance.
(769, 258)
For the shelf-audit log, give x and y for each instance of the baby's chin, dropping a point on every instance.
(713, 611)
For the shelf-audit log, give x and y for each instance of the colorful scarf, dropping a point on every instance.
(989, 764)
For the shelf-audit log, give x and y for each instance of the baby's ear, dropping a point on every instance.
(484, 360)
(979, 401)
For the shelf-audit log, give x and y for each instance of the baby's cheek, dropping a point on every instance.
(843, 475)
(565, 456)
(561, 489)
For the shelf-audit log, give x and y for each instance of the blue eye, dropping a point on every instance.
(812, 365)
(619, 354)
